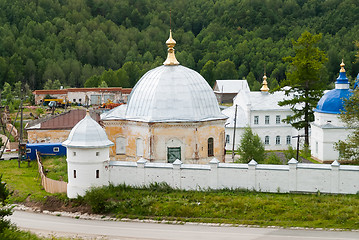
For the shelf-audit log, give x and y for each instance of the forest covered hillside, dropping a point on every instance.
(85, 42)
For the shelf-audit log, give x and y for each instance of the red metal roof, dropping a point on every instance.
(65, 91)
(68, 120)
(59, 91)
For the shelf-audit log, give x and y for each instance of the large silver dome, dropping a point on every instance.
(172, 93)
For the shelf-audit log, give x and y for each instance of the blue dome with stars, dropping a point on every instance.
(333, 101)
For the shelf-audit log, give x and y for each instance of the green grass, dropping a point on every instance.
(56, 167)
(24, 181)
(227, 206)
(311, 159)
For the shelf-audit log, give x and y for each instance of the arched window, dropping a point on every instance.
(210, 147)
(266, 140)
(277, 140)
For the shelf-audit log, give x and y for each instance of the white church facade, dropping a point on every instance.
(327, 128)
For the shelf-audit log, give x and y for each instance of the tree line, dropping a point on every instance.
(96, 42)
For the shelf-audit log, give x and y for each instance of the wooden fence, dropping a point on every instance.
(50, 185)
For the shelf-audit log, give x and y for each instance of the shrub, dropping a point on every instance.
(306, 151)
(290, 153)
(97, 199)
(251, 147)
(160, 187)
(273, 159)
(39, 111)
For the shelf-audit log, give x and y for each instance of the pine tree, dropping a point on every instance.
(4, 210)
(305, 86)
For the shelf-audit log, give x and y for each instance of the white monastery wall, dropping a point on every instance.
(295, 177)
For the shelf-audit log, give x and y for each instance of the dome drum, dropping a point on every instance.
(332, 102)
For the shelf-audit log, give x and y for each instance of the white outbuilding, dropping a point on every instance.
(87, 157)
(327, 128)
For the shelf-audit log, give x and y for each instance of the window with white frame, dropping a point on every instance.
(277, 140)
(266, 140)
(256, 120)
(266, 119)
(277, 119)
(289, 140)
(56, 149)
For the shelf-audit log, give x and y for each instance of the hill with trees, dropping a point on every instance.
(85, 42)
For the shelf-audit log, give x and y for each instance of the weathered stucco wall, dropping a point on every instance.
(295, 177)
(191, 137)
(47, 136)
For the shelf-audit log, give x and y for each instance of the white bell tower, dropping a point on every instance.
(88, 157)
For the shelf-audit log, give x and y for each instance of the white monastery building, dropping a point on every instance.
(327, 128)
(173, 119)
(260, 111)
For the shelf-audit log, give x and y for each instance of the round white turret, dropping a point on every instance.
(87, 157)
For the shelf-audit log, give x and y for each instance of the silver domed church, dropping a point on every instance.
(172, 113)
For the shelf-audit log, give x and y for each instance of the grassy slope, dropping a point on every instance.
(24, 181)
(227, 206)
(57, 167)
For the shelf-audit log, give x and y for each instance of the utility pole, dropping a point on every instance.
(2, 114)
(20, 137)
(234, 132)
(22, 145)
(298, 136)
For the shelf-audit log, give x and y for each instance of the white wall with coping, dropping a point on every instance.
(294, 177)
